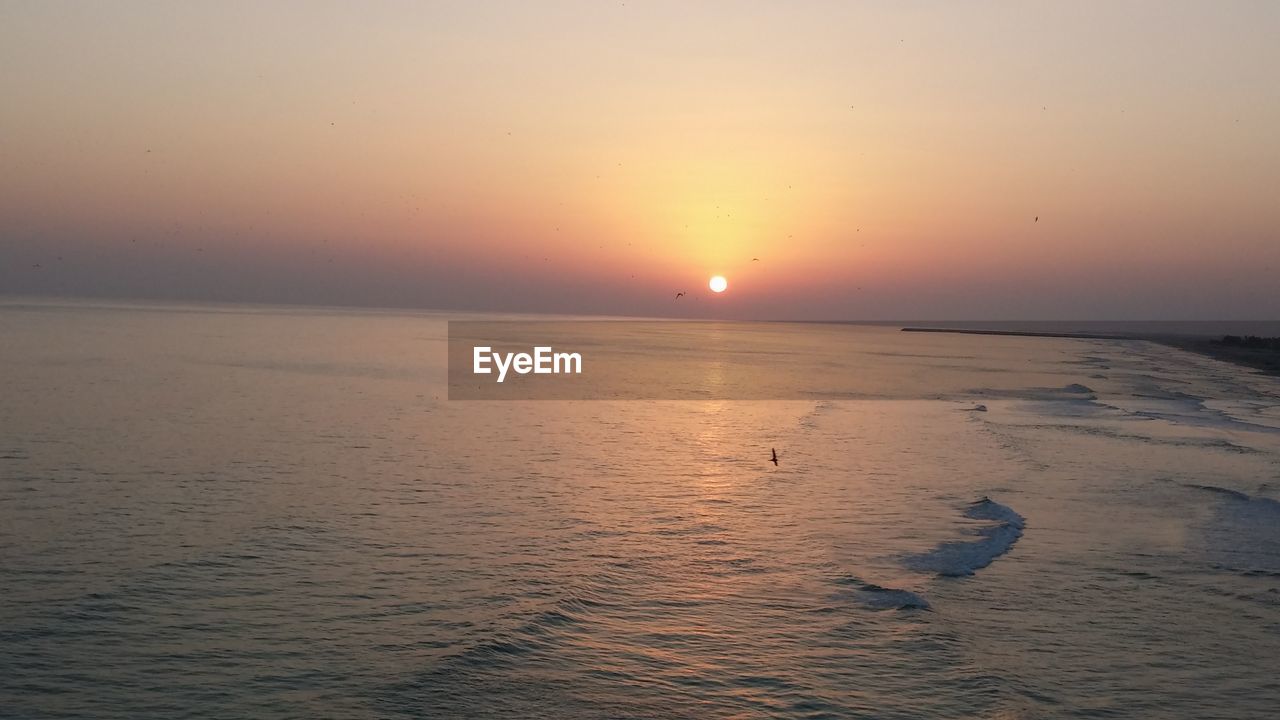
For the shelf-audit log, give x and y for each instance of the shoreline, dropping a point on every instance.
(1264, 360)
(1022, 333)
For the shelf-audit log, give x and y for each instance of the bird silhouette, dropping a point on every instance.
(774, 459)
(755, 259)
(1037, 218)
(679, 295)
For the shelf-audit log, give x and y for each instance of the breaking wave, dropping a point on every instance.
(876, 597)
(961, 558)
(1243, 534)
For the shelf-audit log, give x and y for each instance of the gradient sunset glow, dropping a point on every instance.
(881, 162)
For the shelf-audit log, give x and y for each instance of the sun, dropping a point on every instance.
(718, 284)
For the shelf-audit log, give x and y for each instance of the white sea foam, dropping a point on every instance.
(961, 558)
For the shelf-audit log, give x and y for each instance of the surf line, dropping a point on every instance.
(543, 361)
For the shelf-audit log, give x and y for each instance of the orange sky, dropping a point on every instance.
(882, 161)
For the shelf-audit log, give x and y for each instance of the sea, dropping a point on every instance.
(256, 512)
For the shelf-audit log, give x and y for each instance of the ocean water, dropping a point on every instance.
(269, 513)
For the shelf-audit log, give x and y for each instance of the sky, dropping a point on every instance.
(881, 160)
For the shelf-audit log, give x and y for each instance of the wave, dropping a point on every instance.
(1111, 433)
(1069, 392)
(1151, 401)
(1242, 535)
(962, 558)
(1222, 491)
(1256, 501)
(1071, 400)
(1092, 361)
(527, 634)
(877, 597)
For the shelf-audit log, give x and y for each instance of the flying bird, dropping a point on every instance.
(1037, 218)
(774, 459)
(678, 295)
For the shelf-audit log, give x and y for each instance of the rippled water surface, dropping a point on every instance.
(267, 513)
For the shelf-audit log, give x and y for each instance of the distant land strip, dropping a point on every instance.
(1022, 333)
(1262, 354)
(1259, 353)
